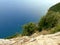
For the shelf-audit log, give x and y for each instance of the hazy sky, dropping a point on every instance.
(14, 8)
(35, 5)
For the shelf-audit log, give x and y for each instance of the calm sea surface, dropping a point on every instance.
(15, 13)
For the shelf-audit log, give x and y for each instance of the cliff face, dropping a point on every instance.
(51, 39)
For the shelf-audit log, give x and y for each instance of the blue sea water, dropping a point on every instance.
(14, 14)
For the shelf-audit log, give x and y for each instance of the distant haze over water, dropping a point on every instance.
(15, 13)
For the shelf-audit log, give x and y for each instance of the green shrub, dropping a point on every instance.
(56, 29)
(29, 29)
(49, 21)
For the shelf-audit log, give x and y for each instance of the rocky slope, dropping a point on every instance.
(50, 39)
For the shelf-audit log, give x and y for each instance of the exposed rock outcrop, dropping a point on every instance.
(51, 39)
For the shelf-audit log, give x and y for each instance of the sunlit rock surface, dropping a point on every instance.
(51, 39)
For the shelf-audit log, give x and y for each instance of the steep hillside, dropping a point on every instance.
(55, 8)
(51, 20)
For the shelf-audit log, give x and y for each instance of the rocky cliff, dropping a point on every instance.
(50, 39)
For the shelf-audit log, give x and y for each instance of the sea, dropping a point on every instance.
(15, 13)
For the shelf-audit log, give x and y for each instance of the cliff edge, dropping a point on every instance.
(50, 39)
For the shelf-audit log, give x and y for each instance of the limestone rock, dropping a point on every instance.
(51, 39)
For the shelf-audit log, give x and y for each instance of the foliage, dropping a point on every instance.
(55, 8)
(49, 21)
(29, 29)
(56, 29)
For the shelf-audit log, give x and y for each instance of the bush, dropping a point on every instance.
(49, 21)
(56, 29)
(29, 29)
